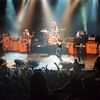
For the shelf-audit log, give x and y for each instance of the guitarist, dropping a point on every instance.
(79, 46)
(59, 43)
(27, 36)
(59, 49)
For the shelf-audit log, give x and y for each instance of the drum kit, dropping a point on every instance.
(59, 31)
(51, 36)
(17, 39)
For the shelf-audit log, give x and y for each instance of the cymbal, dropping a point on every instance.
(45, 31)
(63, 29)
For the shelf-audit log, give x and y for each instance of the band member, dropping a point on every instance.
(78, 45)
(59, 49)
(54, 27)
(26, 35)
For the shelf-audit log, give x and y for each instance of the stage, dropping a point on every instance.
(49, 60)
(43, 52)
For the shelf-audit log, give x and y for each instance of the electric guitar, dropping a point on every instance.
(80, 46)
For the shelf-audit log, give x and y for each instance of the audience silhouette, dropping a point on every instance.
(45, 84)
(39, 89)
(97, 65)
(76, 67)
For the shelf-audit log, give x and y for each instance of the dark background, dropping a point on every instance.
(37, 21)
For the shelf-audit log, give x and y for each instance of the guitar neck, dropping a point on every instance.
(80, 46)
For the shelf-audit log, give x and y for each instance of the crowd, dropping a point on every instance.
(24, 82)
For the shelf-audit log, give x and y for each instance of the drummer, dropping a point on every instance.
(54, 27)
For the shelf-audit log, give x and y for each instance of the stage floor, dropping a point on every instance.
(45, 59)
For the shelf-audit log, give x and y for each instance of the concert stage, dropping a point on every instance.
(45, 59)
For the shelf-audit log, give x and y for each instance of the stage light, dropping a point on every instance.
(10, 16)
(21, 15)
(59, 9)
(30, 13)
(47, 13)
(94, 7)
(84, 13)
(22, 5)
(26, 1)
(93, 15)
(89, 12)
(69, 11)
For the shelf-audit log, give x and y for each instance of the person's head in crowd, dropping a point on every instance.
(75, 60)
(3, 62)
(98, 59)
